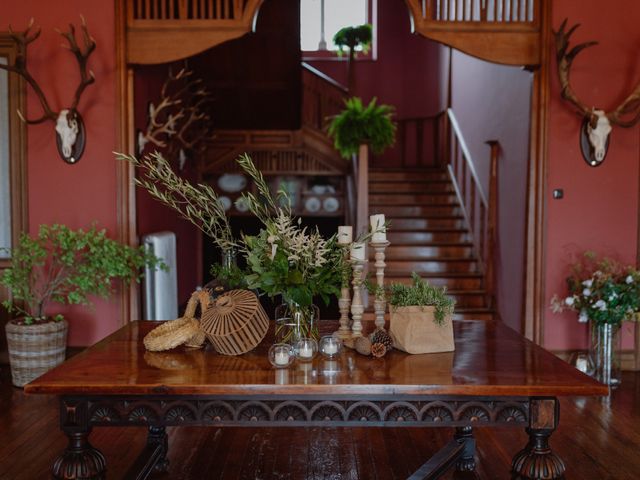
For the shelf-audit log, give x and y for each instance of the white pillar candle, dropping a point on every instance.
(358, 251)
(282, 358)
(378, 228)
(331, 348)
(345, 234)
(306, 351)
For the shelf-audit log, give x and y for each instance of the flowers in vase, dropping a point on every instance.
(601, 290)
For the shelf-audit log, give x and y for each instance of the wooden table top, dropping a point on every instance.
(490, 359)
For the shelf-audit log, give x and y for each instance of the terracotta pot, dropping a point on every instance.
(35, 349)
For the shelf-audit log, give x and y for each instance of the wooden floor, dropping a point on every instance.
(599, 439)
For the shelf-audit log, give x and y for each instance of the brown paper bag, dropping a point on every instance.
(414, 330)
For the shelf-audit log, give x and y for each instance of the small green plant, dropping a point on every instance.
(67, 266)
(358, 124)
(232, 275)
(354, 38)
(421, 293)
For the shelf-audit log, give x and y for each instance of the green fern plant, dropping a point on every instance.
(358, 124)
(421, 293)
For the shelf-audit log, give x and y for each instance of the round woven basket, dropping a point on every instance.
(236, 323)
(35, 349)
(171, 334)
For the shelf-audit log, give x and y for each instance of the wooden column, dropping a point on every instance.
(362, 182)
(492, 224)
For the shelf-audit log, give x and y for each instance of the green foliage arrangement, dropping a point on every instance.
(198, 204)
(67, 266)
(421, 293)
(601, 290)
(359, 36)
(358, 124)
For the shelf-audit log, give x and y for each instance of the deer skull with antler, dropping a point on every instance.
(69, 125)
(597, 123)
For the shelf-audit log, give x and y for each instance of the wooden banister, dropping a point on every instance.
(322, 97)
(479, 208)
(362, 190)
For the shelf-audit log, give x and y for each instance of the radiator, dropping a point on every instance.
(161, 287)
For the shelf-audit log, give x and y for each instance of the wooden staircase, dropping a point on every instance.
(429, 235)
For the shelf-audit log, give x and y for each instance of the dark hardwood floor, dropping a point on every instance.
(599, 439)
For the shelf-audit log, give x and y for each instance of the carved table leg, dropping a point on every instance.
(158, 437)
(536, 461)
(80, 460)
(467, 462)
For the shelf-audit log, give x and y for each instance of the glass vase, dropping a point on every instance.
(605, 347)
(220, 284)
(295, 322)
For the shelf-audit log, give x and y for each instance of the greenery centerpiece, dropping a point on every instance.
(289, 260)
(358, 124)
(64, 266)
(604, 293)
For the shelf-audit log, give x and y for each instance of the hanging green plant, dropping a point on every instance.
(358, 124)
(353, 38)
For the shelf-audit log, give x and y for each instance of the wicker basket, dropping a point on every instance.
(35, 349)
(236, 323)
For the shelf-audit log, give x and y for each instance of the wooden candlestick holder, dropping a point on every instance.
(344, 303)
(357, 308)
(380, 302)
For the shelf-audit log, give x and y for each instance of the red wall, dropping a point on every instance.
(493, 102)
(600, 206)
(80, 194)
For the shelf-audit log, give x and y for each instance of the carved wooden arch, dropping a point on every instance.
(168, 30)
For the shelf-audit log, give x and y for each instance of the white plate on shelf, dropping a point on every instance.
(312, 204)
(226, 203)
(331, 204)
(232, 182)
(241, 205)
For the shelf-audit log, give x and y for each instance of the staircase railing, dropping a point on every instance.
(512, 12)
(322, 97)
(417, 143)
(479, 208)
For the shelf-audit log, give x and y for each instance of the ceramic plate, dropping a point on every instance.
(241, 205)
(331, 204)
(312, 204)
(226, 203)
(232, 182)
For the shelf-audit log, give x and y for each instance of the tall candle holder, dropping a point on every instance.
(380, 302)
(344, 302)
(357, 308)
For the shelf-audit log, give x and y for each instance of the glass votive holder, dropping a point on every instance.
(305, 349)
(281, 355)
(330, 346)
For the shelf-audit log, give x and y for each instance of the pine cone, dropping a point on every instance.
(363, 345)
(378, 350)
(382, 336)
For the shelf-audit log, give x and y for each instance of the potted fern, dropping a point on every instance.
(357, 126)
(63, 266)
(420, 320)
(353, 38)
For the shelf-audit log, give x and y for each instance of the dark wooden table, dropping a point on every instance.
(494, 378)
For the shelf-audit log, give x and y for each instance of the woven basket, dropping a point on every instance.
(202, 298)
(35, 349)
(236, 323)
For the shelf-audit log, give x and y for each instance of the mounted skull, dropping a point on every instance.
(69, 125)
(597, 124)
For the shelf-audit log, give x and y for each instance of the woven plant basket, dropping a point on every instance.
(236, 323)
(35, 349)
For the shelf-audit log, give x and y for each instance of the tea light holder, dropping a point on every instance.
(281, 355)
(330, 346)
(380, 302)
(305, 349)
(357, 308)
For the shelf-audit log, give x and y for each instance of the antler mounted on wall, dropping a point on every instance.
(178, 122)
(596, 126)
(70, 133)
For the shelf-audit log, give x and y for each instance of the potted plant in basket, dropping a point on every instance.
(420, 317)
(604, 293)
(63, 266)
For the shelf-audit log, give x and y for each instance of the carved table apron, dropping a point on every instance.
(516, 384)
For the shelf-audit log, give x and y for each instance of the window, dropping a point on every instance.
(13, 195)
(321, 19)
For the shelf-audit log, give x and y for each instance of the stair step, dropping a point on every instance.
(473, 314)
(411, 199)
(454, 280)
(402, 252)
(431, 224)
(400, 268)
(440, 186)
(406, 211)
(412, 175)
(469, 298)
(422, 238)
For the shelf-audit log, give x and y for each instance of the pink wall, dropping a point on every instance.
(600, 206)
(80, 194)
(493, 102)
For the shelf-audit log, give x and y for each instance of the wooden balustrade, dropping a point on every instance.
(185, 9)
(479, 208)
(417, 143)
(501, 11)
(322, 97)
